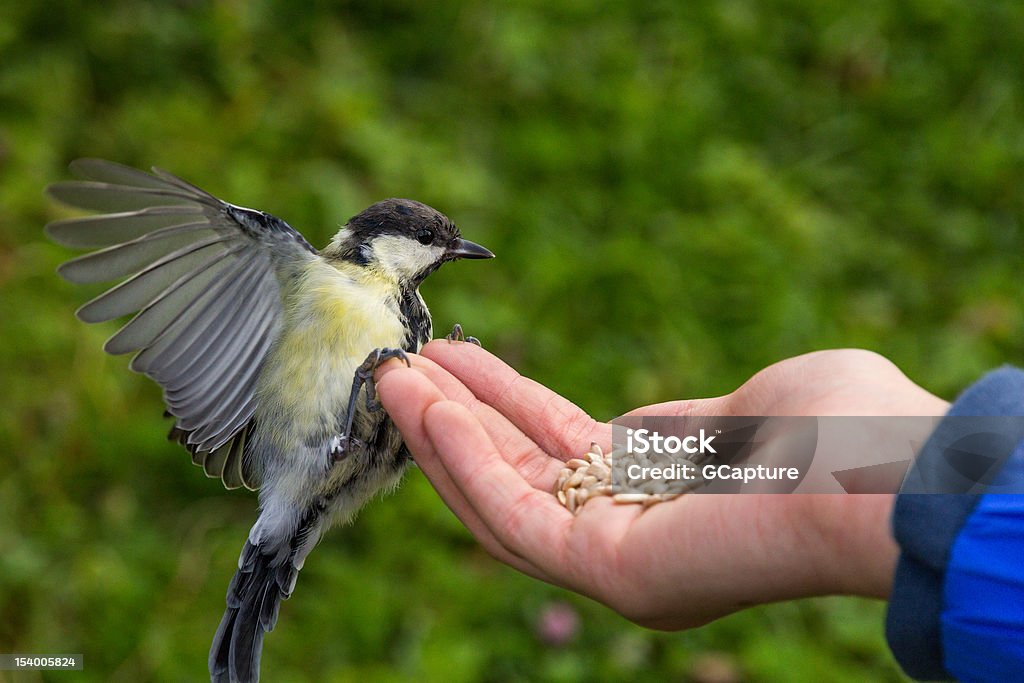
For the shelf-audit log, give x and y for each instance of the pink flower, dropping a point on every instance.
(557, 624)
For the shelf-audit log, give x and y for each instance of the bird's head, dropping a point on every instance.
(403, 240)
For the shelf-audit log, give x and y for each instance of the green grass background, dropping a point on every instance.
(679, 194)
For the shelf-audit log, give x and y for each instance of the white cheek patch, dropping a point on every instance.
(403, 258)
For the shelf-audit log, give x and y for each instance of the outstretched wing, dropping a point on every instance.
(202, 282)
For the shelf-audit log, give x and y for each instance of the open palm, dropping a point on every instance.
(492, 443)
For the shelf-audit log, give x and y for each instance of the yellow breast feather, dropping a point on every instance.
(334, 319)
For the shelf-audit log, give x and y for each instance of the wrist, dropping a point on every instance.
(856, 553)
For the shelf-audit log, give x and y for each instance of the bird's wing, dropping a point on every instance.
(202, 282)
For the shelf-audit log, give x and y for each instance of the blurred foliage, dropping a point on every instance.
(679, 194)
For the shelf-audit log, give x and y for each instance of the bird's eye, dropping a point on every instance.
(424, 236)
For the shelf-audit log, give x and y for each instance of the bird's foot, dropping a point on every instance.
(363, 377)
(364, 374)
(458, 335)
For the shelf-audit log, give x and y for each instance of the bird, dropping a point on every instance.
(265, 349)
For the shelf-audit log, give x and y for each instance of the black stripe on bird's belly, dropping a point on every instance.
(384, 444)
(416, 319)
(382, 451)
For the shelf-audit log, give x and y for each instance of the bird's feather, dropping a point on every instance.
(111, 229)
(202, 279)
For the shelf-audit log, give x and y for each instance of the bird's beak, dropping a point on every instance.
(466, 249)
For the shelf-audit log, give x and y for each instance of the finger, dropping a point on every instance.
(554, 423)
(442, 379)
(532, 463)
(697, 407)
(406, 395)
(528, 522)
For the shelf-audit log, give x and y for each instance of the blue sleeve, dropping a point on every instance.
(957, 605)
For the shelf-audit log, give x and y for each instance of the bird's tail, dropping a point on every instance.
(266, 576)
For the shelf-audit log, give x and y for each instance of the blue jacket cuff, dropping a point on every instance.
(983, 595)
(926, 525)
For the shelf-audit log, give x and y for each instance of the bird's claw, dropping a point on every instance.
(378, 357)
(458, 335)
(364, 373)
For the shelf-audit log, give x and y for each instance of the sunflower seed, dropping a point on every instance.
(631, 497)
(575, 480)
(582, 479)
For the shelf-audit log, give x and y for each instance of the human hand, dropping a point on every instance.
(492, 443)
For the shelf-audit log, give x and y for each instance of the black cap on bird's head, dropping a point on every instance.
(404, 238)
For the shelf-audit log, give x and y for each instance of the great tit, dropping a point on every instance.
(265, 349)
